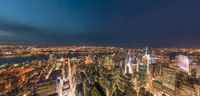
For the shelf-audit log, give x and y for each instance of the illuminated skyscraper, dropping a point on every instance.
(138, 64)
(148, 59)
(59, 85)
(128, 65)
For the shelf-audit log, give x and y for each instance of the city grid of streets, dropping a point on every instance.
(99, 71)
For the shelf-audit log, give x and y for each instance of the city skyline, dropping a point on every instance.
(114, 23)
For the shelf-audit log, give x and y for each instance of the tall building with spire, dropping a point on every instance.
(148, 58)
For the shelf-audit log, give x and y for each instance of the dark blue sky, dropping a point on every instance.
(101, 22)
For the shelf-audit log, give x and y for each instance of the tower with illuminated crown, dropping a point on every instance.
(128, 65)
(147, 57)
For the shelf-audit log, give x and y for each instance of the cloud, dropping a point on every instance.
(15, 32)
(11, 30)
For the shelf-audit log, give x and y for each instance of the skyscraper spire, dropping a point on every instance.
(146, 50)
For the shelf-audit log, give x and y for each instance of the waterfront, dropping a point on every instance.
(21, 59)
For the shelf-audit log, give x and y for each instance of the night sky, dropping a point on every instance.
(127, 23)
